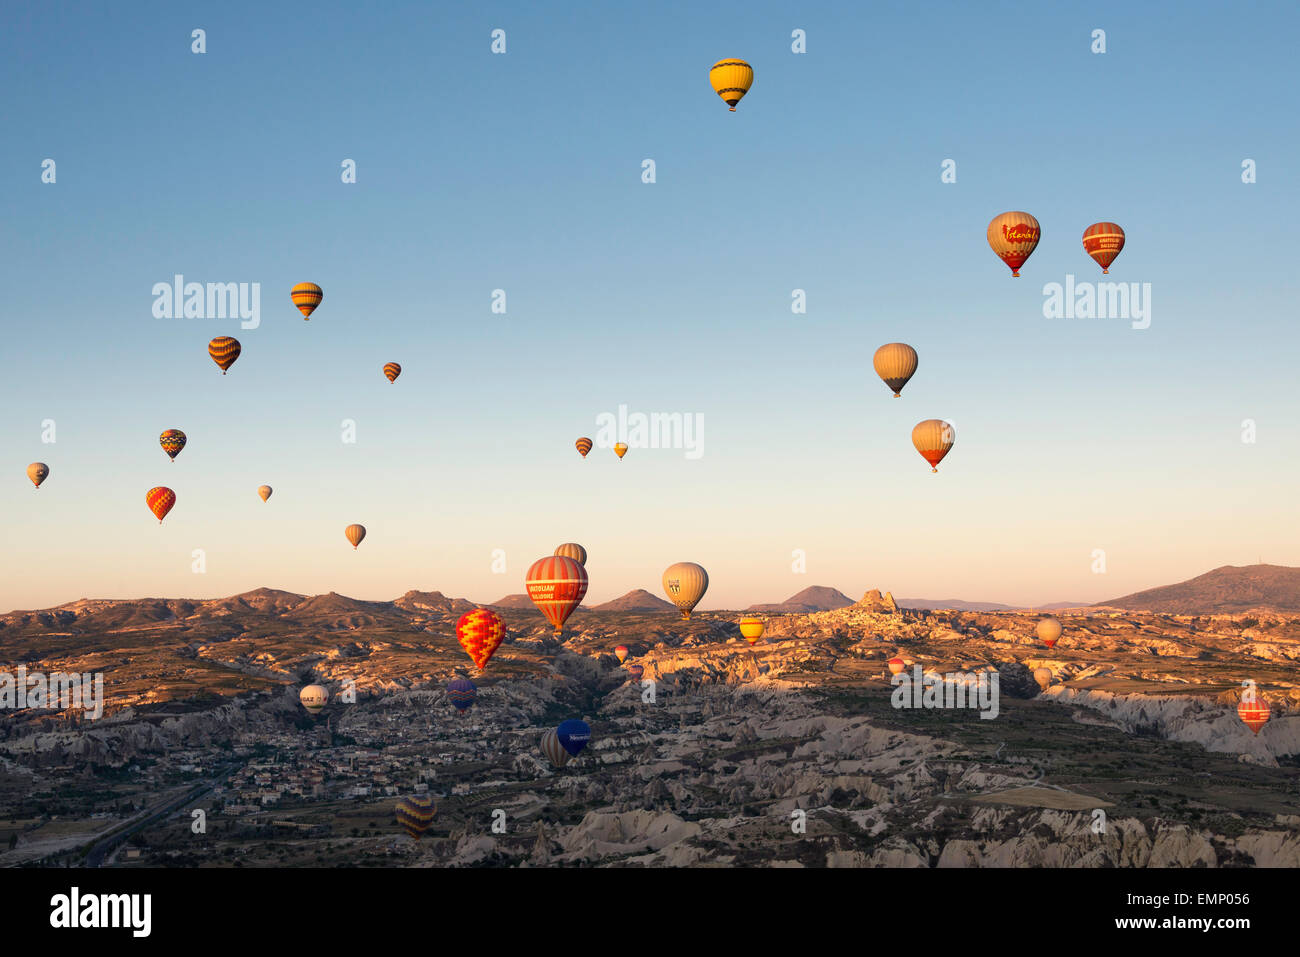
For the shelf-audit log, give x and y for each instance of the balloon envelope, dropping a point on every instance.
(480, 632)
(1044, 677)
(1049, 629)
(620, 449)
(896, 665)
(553, 750)
(1103, 242)
(462, 692)
(38, 472)
(573, 550)
(556, 584)
(392, 370)
(1254, 713)
(172, 441)
(621, 653)
(583, 445)
(264, 491)
(933, 438)
(306, 296)
(354, 534)
(224, 350)
(685, 584)
(160, 501)
(731, 80)
(573, 735)
(752, 629)
(1013, 237)
(636, 671)
(895, 363)
(314, 698)
(415, 814)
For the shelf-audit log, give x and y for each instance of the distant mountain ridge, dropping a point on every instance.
(1225, 590)
(812, 599)
(638, 599)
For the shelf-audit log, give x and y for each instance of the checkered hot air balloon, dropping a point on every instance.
(1013, 237)
(224, 350)
(583, 445)
(306, 296)
(685, 584)
(1103, 242)
(556, 584)
(462, 692)
(392, 370)
(160, 501)
(172, 441)
(480, 633)
(415, 814)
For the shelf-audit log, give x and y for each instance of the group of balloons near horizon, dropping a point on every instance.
(557, 583)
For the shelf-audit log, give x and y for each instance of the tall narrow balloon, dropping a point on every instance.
(1013, 237)
(933, 438)
(306, 296)
(556, 584)
(685, 584)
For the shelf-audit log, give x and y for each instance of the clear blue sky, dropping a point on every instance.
(523, 172)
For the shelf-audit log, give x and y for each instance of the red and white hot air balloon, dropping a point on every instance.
(556, 584)
(1013, 237)
(1253, 710)
(480, 632)
(1103, 242)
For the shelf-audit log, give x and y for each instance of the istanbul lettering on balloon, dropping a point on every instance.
(1020, 233)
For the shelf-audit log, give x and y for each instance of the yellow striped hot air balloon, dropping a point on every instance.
(38, 472)
(731, 79)
(933, 438)
(685, 584)
(224, 350)
(392, 370)
(306, 296)
(895, 363)
(1103, 242)
(1013, 237)
(415, 814)
(354, 534)
(752, 628)
(583, 445)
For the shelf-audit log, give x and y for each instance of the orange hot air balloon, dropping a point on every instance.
(480, 632)
(354, 534)
(933, 438)
(1103, 242)
(392, 370)
(1254, 712)
(306, 296)
(1013, 237)
(38, 472)
(621, 653)
(264, 491)
(752, 629)
(160, 501)
(1049, 630)
(583, 445)
(620, 449)
(224, 350)
(896, 665)
(556, 585)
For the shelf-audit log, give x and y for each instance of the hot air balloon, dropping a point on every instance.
(621, 653)
(573, 550)
(1044, 677)
(1254, 712)
(314, 698)
(480, 632)
(573, 735)
(224, 350)
(752, 629)
(1103, 242)
(160, 501)
(355, 533)
(392, 370)
(556, 585)
(620, 449)
(462, 692)
(583, 445)
(895, 363)
(172, 441)
(415, 814)
(38, 472)
(552, 748)
(1013, 237)
(1049, 629)
(896, 665)
(306, 296)
(731, 79)
(635, 671)
(933, 438)
(685, 583)
(264, 491)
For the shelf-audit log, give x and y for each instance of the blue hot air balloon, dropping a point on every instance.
(573, 736)
(636, 671)
(462, 693)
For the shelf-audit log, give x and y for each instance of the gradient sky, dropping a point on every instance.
(523, 172)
